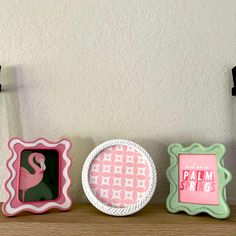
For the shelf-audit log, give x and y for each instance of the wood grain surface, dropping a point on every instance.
(86, 220)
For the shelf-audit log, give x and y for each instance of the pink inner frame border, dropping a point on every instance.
(15, 201)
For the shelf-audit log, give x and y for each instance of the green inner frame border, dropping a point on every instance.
(173, 205)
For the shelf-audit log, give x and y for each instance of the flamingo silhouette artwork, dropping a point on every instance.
(28, 180)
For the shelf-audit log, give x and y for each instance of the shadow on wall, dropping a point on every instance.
(10, 122)
(159, 154)
(81, 147)
(11, 84)
(230, 157)
(230, 163)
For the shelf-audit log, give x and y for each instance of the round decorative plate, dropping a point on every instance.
(119, 177)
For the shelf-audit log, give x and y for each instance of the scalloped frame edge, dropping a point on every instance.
(221, 211)
(7, 208)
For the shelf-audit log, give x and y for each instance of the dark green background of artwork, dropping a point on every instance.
(47, 189)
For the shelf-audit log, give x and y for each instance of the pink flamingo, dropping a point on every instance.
(28, 180)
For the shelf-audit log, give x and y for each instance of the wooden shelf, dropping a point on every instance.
(85, 219)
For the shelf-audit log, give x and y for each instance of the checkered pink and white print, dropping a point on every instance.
(119, 176)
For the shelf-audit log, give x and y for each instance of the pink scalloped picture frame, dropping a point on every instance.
(39, 176)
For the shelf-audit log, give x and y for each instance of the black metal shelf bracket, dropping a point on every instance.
(0, 78)
(234, 79)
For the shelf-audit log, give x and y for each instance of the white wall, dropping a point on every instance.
(155, 72)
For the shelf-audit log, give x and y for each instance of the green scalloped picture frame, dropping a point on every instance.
(219, 211)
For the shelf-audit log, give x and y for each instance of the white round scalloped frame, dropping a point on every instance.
(9, 210)
(115, 211)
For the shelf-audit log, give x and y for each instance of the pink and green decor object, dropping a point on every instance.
(198, 180)
(39, 178)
